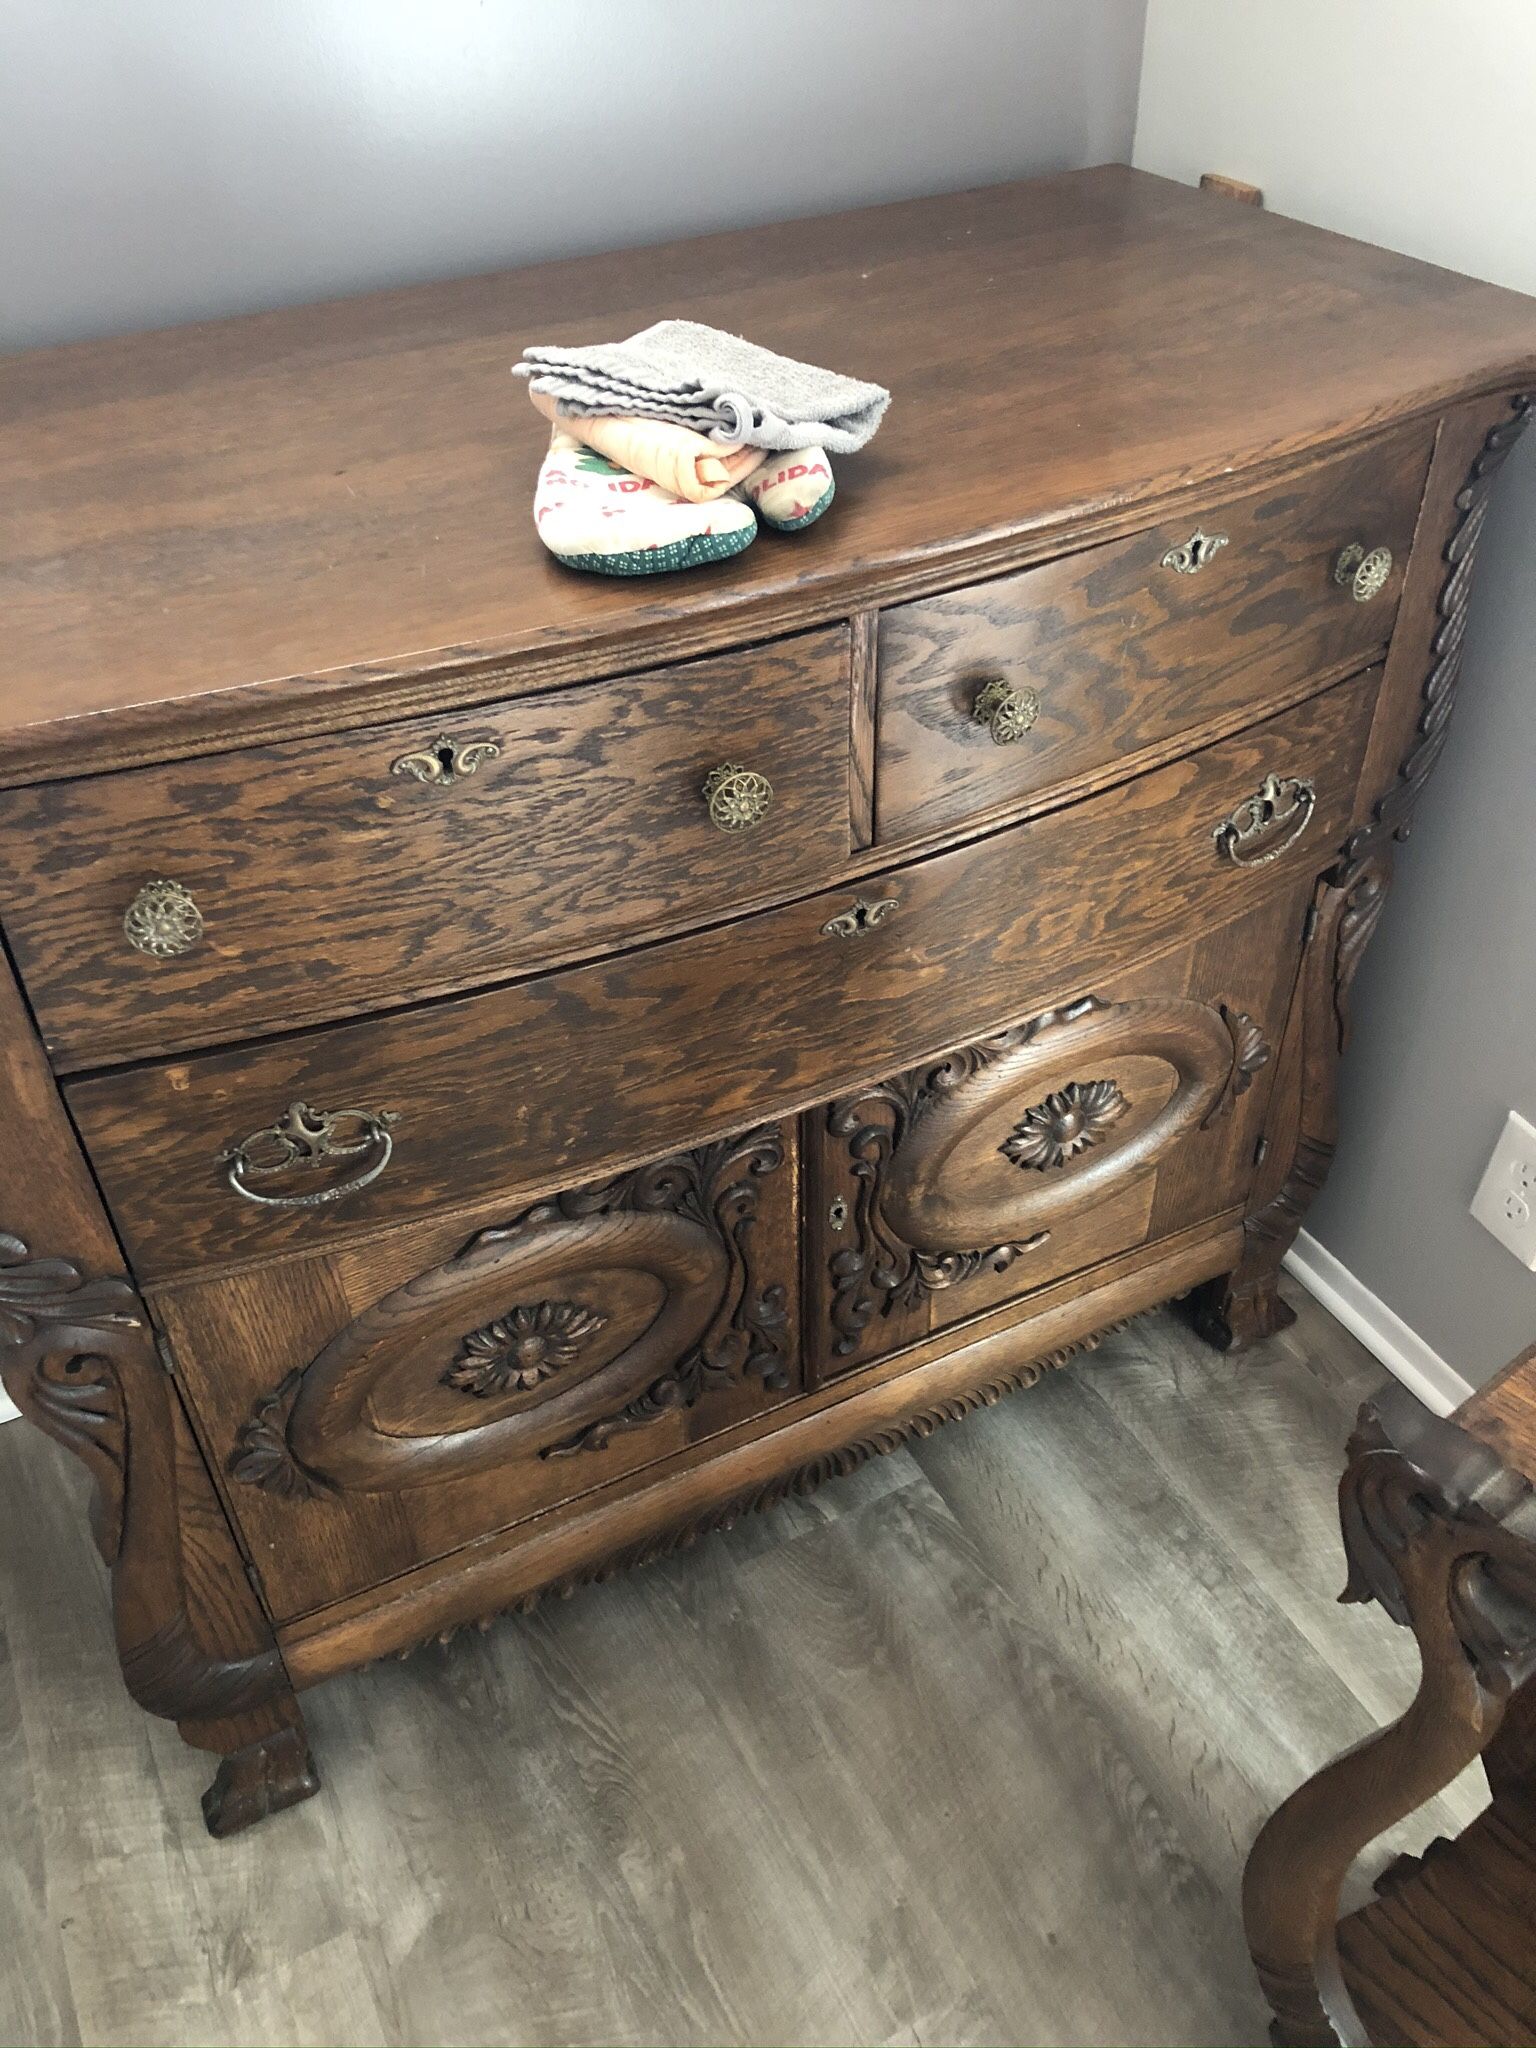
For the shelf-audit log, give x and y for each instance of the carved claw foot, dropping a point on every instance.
(1234, 1316)
(260, 1779)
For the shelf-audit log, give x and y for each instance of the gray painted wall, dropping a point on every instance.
(1386, 120)
(171, 160)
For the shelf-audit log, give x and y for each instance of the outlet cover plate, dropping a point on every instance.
(1505, 1202)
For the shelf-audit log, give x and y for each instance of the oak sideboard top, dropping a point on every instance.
(309, 518)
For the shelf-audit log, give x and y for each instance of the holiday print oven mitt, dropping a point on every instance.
(593, 515)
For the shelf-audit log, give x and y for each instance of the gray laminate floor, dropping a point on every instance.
(967, 1748)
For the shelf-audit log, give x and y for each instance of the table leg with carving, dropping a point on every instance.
(78, 1357)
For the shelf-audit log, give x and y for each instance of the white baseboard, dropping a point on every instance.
(1380, 1329)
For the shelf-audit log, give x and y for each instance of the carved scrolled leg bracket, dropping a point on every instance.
(1441, 1535)
(1244, 1306)
(78, 1357)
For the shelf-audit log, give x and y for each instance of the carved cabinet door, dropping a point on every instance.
(1064, 1139)
(400, 1405)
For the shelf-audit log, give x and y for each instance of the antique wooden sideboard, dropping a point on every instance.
(504, 1071)
(1440, 1526)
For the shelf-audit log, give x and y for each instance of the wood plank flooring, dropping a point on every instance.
(966, 1748)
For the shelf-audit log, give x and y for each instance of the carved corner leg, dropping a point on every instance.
(1424, 1510)
(1244, 1306)
(1241, 1309)
(77, 1356)
(263, 1775)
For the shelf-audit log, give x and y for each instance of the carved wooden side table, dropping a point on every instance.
(1440, 1526)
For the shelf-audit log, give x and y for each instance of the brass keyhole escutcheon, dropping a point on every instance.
(1006, 709)
(737, 798)
(1192, 555)
(861, 916)
(1364, 575)
(445, 761)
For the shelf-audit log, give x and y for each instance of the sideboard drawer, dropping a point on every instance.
(992, 694)
(562, 1076)
(397, 860)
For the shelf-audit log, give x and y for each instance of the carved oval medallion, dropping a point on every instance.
(1082, 1103)
(373, 1409)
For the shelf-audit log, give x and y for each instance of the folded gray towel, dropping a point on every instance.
(716, 383)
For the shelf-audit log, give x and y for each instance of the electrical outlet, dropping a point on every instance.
(1505, 1202)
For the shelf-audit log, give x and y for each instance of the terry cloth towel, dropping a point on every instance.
(716, 383)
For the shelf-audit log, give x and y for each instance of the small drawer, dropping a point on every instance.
(993, 695)
(214, 1160)
(323, 876)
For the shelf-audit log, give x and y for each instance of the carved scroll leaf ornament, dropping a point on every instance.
(684, 1224)
(61, 1332)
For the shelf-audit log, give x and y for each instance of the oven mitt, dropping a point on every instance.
(591, 514)
(674, 457)
(790, 491)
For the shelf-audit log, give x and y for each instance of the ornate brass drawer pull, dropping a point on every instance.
(162, 921)
(1195, 552)
(1265, 824)
(738, 798)
(303, 1140)
(1363, 575)
(862, 917)
(1008, 711)
(445, 761)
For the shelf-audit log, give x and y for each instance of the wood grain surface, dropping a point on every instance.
(549, 1081)
(314, 517)
(327, 881)
(1122, 651)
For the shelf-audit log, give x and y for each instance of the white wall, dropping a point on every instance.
(168, 160)
(1411, 123)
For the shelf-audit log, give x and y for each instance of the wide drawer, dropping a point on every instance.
(375, 864)
(992, 694)
(550, 1081)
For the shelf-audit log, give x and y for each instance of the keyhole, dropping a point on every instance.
(837, 1215)
(445, 761)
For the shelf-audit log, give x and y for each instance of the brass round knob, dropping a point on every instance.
(1006, 710)
(1362, 575)
(162, 920)
(738, 798)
